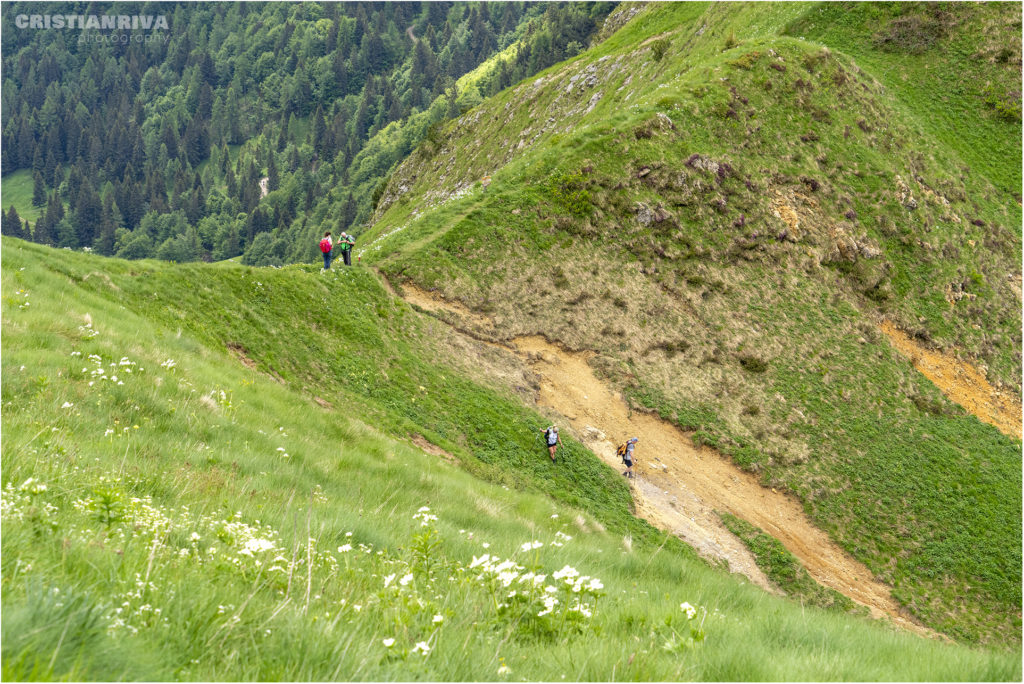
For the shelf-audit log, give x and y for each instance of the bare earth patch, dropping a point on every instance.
(681, 487)
(961, 383)
(431, 448)
(240, 353)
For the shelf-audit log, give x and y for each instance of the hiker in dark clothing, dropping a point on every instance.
(345, 245)
(627, 457)
(552, 439)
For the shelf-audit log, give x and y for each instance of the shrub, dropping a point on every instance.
(659, 47)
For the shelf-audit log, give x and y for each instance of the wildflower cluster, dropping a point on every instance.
(525, 599)
(425, 517)
(100, 372)
(676, 638)
(135, 609)
(24, 503)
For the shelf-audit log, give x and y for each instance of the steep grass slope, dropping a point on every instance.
(724, 213)
(205, 479)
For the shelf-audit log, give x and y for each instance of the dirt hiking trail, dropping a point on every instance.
(680, 487)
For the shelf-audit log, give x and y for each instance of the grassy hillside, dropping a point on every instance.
(210, 460)
(17, 192)
(724, 212)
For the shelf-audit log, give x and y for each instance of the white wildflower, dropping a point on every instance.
(567, 572)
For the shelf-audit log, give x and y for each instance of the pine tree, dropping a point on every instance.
(273, 176)
(50, 168)
(231, 182)
(86, 217)
(12, 224)
(38, 190)
(282, 138)
(110, 221)
(317, 130)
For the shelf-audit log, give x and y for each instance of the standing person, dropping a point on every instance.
(325, 248)
(345, 245)
(552, 439)
(626, 451)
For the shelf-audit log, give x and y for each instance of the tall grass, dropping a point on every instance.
(198, 519)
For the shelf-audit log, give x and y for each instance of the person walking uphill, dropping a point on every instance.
(325, 248)
(345, 245)
(552, 439)
(625, 451)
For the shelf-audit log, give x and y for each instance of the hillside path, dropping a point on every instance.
(681, 487)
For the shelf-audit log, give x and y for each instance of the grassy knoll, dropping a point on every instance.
(723, 207)
(202, 460)
(955, 66)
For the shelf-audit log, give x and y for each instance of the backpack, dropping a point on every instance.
(621, 451)
(549, 434)
(325, 245)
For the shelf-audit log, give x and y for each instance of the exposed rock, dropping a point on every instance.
(843, 247)
(906, 197)
(619, 18)
(644, 215)
(702, 164)
(664, 123)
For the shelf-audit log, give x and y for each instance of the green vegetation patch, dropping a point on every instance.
(785, 570)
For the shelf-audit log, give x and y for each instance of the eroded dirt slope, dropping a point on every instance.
(961, 383)
(679, 486)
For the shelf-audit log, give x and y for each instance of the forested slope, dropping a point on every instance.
(157, 147)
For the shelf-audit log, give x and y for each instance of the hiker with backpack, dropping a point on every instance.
(625, 452)
(552, 439)
(345, 245)
(325, 248)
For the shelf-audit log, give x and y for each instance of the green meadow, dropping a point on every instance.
(207, 476)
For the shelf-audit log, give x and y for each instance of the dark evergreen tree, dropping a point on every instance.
(12, 224)
(317, 130)
(110, 221)
(273, 176)
(282, 138)
(38, 190)
(86, 217)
